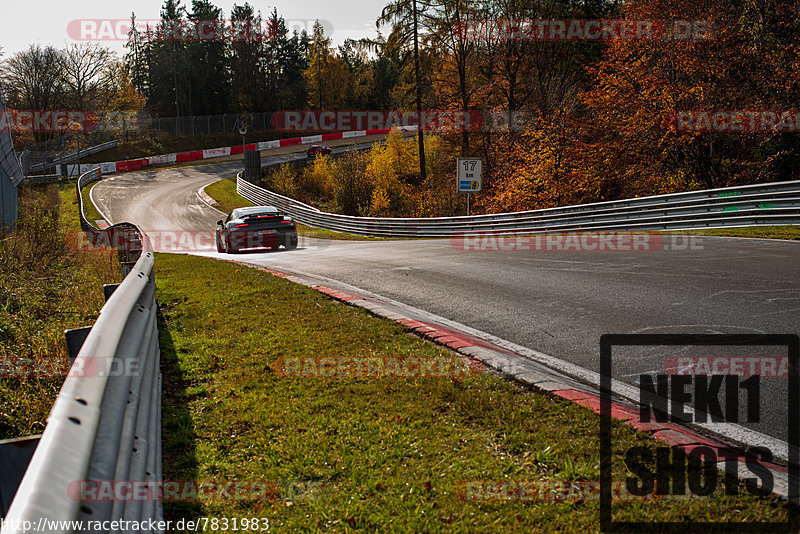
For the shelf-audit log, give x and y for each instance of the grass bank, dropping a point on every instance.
(89, 210)
(762, 232)
(46, 286)
(366, 454)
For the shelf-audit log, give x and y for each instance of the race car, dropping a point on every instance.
(255, 228)
(313, 150)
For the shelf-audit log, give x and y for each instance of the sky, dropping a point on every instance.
(26, 22)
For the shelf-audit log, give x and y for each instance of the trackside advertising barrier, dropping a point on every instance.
(210, 153)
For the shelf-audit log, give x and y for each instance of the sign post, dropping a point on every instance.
(243, 131)
(76, 127)
(469, 176)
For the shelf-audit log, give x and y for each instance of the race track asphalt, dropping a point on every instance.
(557, 302)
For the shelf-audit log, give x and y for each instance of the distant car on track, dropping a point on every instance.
(255, 228)
(313, 150)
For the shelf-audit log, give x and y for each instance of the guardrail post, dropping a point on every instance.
(127, 267)
(75, 338)
(15, 455)
(108, 290)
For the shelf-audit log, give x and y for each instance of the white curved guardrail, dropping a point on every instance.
(752, 205)
(105, 425)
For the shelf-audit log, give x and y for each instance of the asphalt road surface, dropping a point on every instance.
(556, 302)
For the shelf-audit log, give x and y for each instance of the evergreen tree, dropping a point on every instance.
(248, 79)
(168, 69)
(210, 87)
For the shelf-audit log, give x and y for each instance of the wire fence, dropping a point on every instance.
(226, 123)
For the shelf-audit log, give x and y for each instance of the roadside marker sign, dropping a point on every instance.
(469, 175)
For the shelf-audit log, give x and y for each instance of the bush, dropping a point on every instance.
(283, 181)
(382, 182)
(352, 190)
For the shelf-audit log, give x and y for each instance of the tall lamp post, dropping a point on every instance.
(77, 127)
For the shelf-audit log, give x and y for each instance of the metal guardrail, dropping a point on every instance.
(753, 205)
(105, 425)
(86, 178)
(73, 156)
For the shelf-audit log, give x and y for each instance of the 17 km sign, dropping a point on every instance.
(469, 175)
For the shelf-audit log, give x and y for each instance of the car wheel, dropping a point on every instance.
(220, 246)
(291, 242)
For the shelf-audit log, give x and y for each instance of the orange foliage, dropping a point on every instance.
(619, 142)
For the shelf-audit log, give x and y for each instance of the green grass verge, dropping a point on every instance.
(68, 218)
(89, 210)
(763, 232)
(379, 455)
(224, 192)
(47, 285)
(68, 214)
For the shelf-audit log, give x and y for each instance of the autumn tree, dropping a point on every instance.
(119, 107)
(86, 71)
(740, 64)
(327, 76)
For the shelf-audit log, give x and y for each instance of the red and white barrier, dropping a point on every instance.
(210, 153)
